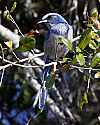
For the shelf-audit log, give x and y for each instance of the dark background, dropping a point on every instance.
(17, 92)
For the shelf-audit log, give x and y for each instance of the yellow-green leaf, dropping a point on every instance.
(65, 59)
(67, 42)
(85, 39)
(78, 50)
(26, 43)
(94, 12)
(9, 44)
(96, 60)
(92, 45)
(13, 7)
(80, 58)
(97, 75)
(74, 61)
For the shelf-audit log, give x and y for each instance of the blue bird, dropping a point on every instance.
(57, 27)
(54, 49)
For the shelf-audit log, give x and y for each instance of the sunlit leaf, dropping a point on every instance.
(98, 40)
(80, 58)
(96, 60)
(78, 50)
(74, 61)
(26, 43)
(97, 75)
(65, 59)
(7, 15)
(85, 39)
(92, 45)
(67, 42)
(9, 44)
(94, 12)
(13, 7)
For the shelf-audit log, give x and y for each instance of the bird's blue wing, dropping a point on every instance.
(54, 51)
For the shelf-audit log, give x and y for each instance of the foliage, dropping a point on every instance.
(76, 95)
(26, 43)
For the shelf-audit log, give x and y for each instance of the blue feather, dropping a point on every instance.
(57, 27)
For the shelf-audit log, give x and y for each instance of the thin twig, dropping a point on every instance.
(15, 55)
(1, 79)
(76, 38)
(5, 66)
(88, 86)
(26, 59)
(33, 117)
(37, 66)
(22, 60)
(13, 21)
(2, 76)
(2, 51)
(84, 68)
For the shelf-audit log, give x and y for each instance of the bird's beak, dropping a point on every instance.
(42, 21)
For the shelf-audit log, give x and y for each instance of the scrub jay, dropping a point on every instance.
(57, 27)
(54, 49)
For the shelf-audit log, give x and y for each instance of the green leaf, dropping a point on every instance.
(98, 32)
(13, 7)
(74, 61)
(92, 45)
(98, 39)
(97, 75)
(80, 58)
(94, 12)
(50, 80)
(65, 59)
(60, 39)
(96, 60)
(67, 42)
(85, 39)
(26, 43)
(78, 50)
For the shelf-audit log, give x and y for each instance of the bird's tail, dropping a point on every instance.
(43, 89)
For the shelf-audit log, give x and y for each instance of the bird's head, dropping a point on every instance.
(52, 19)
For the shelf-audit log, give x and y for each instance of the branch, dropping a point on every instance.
(84, 68)
(76, 38)
(20, 61)
(8, 34)
(1, 79)
(37, 66)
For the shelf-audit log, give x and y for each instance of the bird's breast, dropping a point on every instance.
(54, 50)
